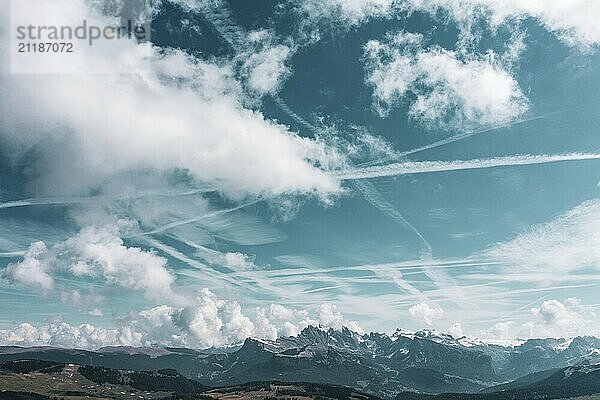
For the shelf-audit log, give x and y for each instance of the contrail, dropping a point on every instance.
(416, 265)
(466, 135)
(460, 137)
(65, 201)
(175, 224)
(299, 120)
(531, 304)
(219, 16)
(208, 271)
(10, 254)
(38, 202)
(424, 167)
(370, 193)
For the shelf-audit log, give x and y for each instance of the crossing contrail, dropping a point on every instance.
(459, 137)
(198, 218)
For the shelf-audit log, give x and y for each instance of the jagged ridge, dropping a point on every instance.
(381, 364)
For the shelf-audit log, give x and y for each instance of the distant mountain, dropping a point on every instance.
(542, 354)
(375, 363)
(552, 384)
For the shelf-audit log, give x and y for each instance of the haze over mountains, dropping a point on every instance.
(376, 363)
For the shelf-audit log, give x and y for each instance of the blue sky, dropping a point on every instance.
(264, 166)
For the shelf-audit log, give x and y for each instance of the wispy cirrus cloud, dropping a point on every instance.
(571, 21)
(260, 56)
(353, 12)
(568, 242)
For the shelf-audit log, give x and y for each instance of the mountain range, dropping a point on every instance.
(425, 362)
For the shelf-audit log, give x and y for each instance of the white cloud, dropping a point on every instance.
(569, 242)
(234, 260)
(267, 69)
(238, 261)
(552, 318)
(61, 334)
(426, 312)
(448, 91)
(96, 252)
(278, 320)
(96, 312)
(552, 312)
(456, 330)
(504, 330)
(574, 21)
(100, 251)
(182, 114)
(215, 322)
(208, 321)
(32, 271)
(264, 63)
(329, 316)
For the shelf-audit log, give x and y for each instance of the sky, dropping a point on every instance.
(257, 167)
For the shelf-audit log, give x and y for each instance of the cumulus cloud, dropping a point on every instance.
(277, 320)
(215, 322)
(426, 312)
(100, 251)
(329, 316)
(569, 242)
(565, 319)
(238, 261)
(552, 318)
(95, 252)
(209, 321)
(456, 330)
(444, 90)
(61, 334)
(32, 270)
(177, 113)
